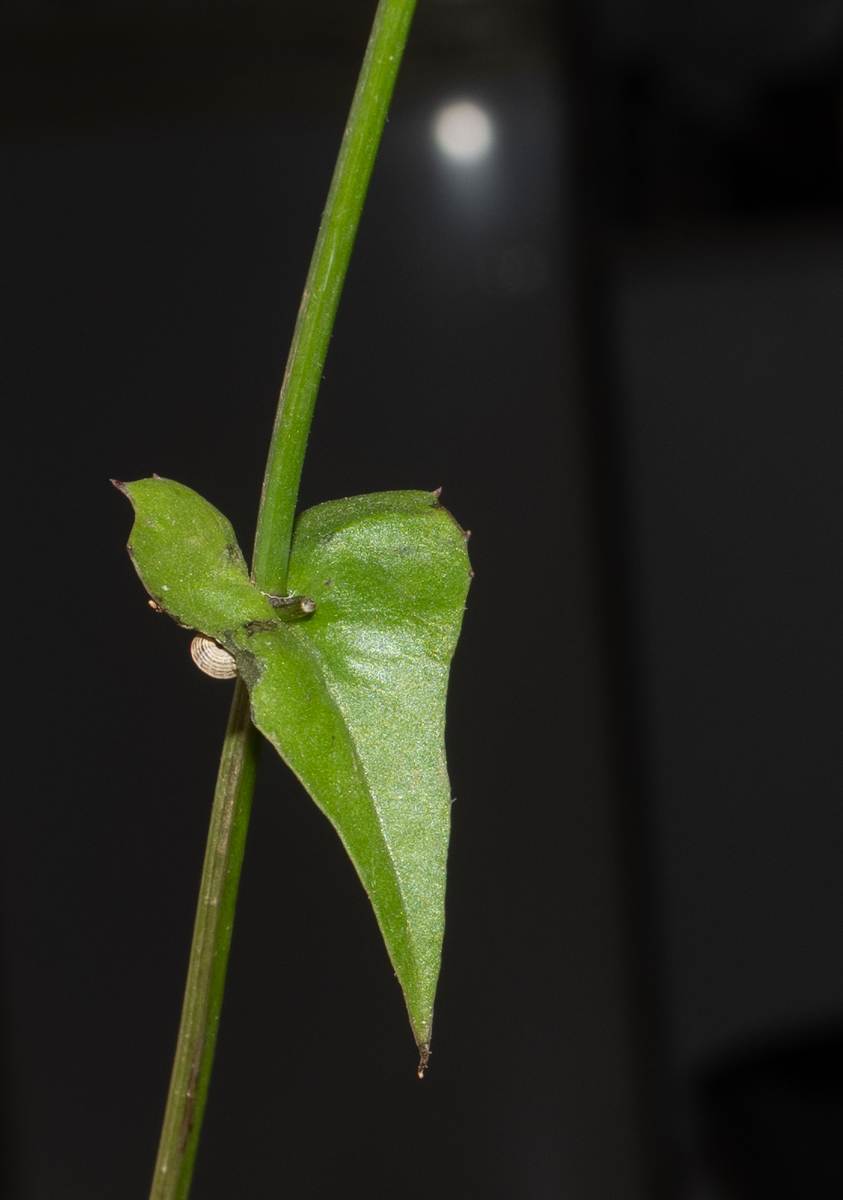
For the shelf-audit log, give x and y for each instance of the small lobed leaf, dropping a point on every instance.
(186, 554)
(352, 696)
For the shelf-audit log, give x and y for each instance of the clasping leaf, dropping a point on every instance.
(352, 694)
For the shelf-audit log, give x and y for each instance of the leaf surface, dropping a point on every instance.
(187, 556)
(352, 696)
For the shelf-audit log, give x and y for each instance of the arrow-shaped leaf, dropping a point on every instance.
(352, 696)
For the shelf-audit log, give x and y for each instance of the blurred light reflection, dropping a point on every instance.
(463, 132)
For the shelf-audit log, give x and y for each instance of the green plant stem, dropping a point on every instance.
(208, 953)
(322, 292)
(236, 778)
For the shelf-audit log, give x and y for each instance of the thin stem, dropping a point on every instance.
(236, 778)
(208, 953)
(322, 291)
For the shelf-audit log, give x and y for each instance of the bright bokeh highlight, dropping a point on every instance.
(463, 132)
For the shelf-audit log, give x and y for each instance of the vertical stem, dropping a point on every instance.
(209, 953)
(322, 291)
(235, 782)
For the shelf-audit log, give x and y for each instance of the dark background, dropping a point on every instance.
(616, 344)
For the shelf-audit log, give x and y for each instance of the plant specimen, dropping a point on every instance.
(339, 641)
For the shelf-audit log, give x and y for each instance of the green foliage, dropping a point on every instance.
(351, 695)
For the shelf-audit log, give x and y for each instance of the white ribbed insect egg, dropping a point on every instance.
(212, 658)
